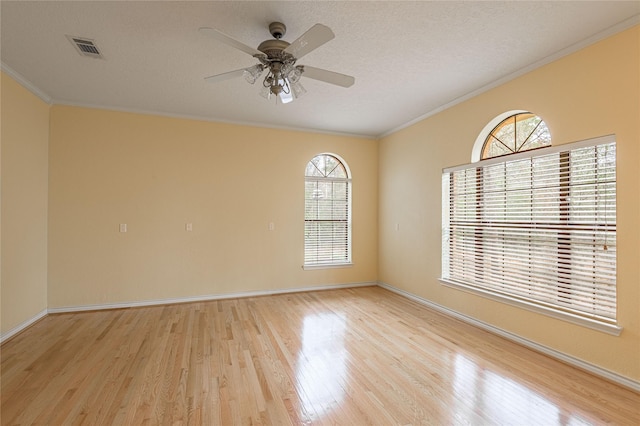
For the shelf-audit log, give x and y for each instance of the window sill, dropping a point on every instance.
(327, 266)
(604, 327)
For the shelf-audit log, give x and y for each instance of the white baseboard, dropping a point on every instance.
(204, 298)
(22, 326)
(576, 362)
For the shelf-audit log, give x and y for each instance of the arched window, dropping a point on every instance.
(519, 132)
(534, 225)
(327, 212)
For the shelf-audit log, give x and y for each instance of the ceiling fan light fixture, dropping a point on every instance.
(265, 92)
(294, 74)
(298, 89)
(277, 89)
(252, 74)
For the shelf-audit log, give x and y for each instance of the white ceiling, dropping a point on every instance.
(409, 59)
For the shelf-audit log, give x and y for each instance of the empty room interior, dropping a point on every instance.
(320, 212)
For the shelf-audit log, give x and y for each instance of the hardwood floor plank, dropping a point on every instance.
(351, 356)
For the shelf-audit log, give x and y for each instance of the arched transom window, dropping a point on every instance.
(519, 132)
(327, 213)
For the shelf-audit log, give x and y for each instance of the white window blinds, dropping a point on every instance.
(327, 220)
(537, 227)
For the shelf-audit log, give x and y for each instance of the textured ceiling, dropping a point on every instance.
(409, 59)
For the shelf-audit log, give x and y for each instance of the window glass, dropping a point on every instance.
(520, 132)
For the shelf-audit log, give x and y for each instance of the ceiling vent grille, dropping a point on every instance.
(85, 47)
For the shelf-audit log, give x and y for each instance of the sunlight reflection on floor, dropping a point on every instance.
(321, 368)
(501, 399)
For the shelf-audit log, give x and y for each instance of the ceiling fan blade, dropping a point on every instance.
(222, 37)
(225, 76)
(315, 37)
(328, 76)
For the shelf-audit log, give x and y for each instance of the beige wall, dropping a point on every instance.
(156, 174)
(591, 93)
(25, 135)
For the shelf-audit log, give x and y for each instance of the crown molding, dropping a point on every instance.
(26, 83)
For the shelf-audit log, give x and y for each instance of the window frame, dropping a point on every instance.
(610, 327)
(342, 263)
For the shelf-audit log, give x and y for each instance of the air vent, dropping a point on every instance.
(85, 47)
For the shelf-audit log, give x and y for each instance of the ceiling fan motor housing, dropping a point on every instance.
(274, 49)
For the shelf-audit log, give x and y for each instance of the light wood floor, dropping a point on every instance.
(351, 357)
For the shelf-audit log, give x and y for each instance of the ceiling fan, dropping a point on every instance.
(279, 58)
